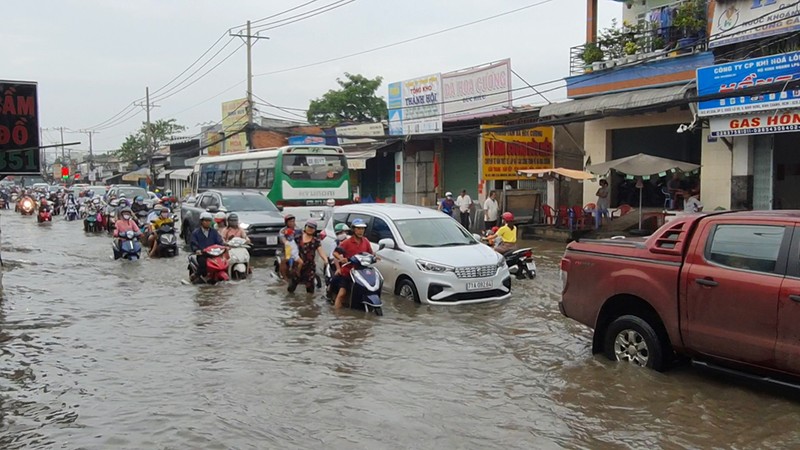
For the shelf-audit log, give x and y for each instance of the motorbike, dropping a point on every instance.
(110, 216)
(127, 246)
(216, 266)
(3, 203)
(71, 212)
(14, 197)
(167, 242)
(26, 206)
(239, 262)
(141, 218)
(520, 263)
(367, 282)
(92, 222)
(44, 215)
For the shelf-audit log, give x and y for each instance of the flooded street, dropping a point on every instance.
(98, 353)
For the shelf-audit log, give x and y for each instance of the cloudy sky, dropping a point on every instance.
(93, 58)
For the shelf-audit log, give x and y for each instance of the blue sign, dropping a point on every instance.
(735, 76)
(306, 140)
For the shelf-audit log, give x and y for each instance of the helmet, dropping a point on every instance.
(330, 202)
(508, 217)
(220, 216)
(312, 224)
(168, 192)
(358, 223)
(233, 217)
(139, 199)
(494, 229)
(158, 207)
(448, 194)
(205, 215)
(341, 227)
(126, 210)
(288, 217)
(165, 210)
(121, 195)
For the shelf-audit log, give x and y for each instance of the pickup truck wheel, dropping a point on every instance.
(633, 340)
(187, 235)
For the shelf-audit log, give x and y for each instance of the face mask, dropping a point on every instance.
(126, 217)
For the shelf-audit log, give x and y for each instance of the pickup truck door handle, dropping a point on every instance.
(795, 298)
(706, 282)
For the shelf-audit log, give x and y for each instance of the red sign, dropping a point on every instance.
(19, 128)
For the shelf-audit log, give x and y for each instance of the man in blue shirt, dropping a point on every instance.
(203, 237)
(446, 206)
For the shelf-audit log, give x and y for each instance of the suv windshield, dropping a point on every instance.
(132, 192)
(440, 232)
(247, 202)
(313, 167)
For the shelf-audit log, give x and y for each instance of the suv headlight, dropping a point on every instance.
(427, 266)
(244, 226)
(501, 261)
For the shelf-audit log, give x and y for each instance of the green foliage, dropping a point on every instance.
(135, 146)
(691, 17)
(591, 53)
(356, 101)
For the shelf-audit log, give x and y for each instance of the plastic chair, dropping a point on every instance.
(622, 210)
(590, 207)
(549, 216)
(563, 217)
(667, 198)
(578, 218)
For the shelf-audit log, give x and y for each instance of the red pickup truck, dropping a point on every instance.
(721, 288)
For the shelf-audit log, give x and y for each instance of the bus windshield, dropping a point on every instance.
(313, 167)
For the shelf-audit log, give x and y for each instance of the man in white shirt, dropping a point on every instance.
(464, 204)
(490, 210)
(692, 204)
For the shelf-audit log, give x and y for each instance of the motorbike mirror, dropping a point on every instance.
(477, 237)
(386, 243)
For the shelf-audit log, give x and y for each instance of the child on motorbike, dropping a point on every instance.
(292, 252)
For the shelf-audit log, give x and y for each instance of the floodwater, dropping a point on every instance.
(105, 354)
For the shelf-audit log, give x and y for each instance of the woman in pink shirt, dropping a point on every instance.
(125, 223)
(233, 230)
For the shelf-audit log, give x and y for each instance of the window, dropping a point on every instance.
(247, 202)
(355, 216)
(205, 201)
(313, 167)
(439, 232)
(380, 230)
(749, 247)
(249, 178)
(270, 178)
(339, 218)
(214, 201)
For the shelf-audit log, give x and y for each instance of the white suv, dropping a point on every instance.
(426, 256)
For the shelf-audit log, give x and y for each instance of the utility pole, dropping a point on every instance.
(148, 135)
(62, 144)
(91, 155)
(248, 37)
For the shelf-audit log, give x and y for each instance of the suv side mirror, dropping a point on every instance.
(191, 199)
(280, 208)
(386, 243)
(477, 237)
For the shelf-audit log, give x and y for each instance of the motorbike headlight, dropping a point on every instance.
(427, 266)
(244, 226)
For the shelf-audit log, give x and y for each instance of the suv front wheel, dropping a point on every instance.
(633, 340)
(407, 290)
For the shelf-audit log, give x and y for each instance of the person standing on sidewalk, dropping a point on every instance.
(490, 210)
(464, 203)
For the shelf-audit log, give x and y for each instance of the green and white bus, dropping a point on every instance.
(294, 176)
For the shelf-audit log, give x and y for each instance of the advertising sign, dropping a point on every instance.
(415, 106)
(364, 129)
(508, 152)
(19, 128)
(234, 118)
(762, 123)
(743, 20)
(731, 77)
(212, 140)
(477, 92)
(306, 140)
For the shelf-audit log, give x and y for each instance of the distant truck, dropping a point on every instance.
(721, 288)
(258, 216)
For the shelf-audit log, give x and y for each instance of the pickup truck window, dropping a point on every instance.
(749, 247)
(205, 201)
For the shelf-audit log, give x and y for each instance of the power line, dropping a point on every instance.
(222, 36)
(172, 91)
(302, 16)
(405, 41)
(280, 13)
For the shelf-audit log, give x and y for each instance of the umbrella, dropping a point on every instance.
(641, 165)
(558, 173)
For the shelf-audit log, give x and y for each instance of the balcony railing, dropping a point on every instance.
(654, 44)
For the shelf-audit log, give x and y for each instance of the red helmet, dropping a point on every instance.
(494, 229)
(508, 217)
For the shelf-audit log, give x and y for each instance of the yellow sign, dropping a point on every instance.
(504, 153)
(234, 118)
(213, 141)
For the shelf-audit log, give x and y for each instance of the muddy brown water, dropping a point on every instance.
(104, 354)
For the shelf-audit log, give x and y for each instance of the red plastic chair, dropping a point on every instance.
(590, 207)
(549, 215)
(579, 218)
(621, 211)
(563, 216)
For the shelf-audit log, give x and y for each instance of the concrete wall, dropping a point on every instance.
(597, 138)
(715, 175)
(568, 150)
(418, 173)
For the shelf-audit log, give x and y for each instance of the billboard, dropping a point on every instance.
(234, 118)
(729, 77)
(743, 20)
(19, 128)
(505, 153)
(477, 92)
(212, 140)
(364, 129)
(760, 123)
(306, 140)
(415, 106)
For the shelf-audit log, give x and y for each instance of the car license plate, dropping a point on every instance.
(272, 240)
(478, 285)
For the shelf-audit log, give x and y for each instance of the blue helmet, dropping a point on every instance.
(358, 223)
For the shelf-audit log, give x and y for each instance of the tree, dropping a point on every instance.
(356, 101)
(135, 148)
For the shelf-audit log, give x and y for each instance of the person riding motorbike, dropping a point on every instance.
(356, 244)
(138, 205)
(168, 200)
(507, 233)
(203, 237)
(220, 221)
(164, 218)
(233, 230)
(123, 225)
(290, 224)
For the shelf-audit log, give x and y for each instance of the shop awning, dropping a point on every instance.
(616, 102)
(163, 174)
(558, 172)
(181, 174)
(137, 174)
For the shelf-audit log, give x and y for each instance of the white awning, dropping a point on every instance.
(163, 174)
(181, 174)
(618, 101)
(136, 175)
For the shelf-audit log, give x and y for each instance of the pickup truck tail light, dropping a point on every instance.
(564, 266)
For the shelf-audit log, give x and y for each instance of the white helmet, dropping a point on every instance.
(448, 194)
(220, 216)
(206, 216)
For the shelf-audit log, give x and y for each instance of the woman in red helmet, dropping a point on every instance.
(507, 233)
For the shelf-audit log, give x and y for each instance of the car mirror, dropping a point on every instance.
(386, 243)
(190, 199)
(223, 209)
(280, 208)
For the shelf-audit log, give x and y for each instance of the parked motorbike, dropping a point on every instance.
(239, 262)
(216, 266)
(167, 242)
(71, 212)
(127, 246)
(520, 263)
(44, 215)
(367, 282)
(26, 206)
